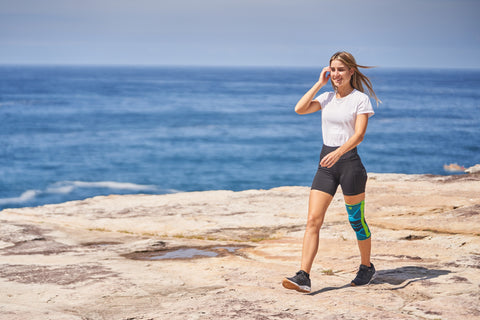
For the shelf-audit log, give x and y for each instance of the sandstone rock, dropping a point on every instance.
(473, 169)
(101, 258)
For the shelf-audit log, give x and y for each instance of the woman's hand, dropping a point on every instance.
(324, 76)
(330, 159)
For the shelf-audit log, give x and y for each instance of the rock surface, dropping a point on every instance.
(223, 254)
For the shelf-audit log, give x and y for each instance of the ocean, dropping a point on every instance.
(69, 133)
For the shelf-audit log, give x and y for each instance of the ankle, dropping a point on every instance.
(305, 273)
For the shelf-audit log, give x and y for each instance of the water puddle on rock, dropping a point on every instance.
(186, 253)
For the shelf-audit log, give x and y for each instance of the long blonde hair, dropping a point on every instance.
(358, 79)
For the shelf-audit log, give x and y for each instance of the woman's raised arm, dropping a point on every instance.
(306, 104)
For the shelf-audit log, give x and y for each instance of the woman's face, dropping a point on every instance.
(340, 74)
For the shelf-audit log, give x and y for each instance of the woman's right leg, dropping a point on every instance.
(317, 207)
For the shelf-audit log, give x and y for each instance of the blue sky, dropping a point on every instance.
(385, 33)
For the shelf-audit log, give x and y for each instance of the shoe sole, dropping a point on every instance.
(366, 284)
(293, 286)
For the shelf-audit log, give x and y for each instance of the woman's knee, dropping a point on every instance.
(318, 205)
(356, 217)
(314, 222)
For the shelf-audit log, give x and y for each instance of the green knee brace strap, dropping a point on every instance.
(356, 217)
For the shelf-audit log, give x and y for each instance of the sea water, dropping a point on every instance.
(70, 133)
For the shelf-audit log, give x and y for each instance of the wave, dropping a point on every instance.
(66, 187)
(24, 197)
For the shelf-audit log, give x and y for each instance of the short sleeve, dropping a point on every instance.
(365, 106)
(324, 98)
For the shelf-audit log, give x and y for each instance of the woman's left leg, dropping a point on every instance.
(355, 207)
(365, 245)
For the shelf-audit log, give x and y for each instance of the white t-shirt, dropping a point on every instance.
(339, 115)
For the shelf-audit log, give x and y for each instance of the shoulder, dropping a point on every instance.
(362, 103)
(360, 95)
(325, 96)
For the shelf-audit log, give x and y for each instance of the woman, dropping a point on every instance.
(345, 114)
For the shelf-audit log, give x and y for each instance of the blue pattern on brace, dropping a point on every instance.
(356, 217)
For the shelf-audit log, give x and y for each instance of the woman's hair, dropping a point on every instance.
(358, 79)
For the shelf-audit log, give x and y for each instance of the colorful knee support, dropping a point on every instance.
(356, 217)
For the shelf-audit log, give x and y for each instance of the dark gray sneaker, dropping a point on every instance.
(364, 275)
(300, 282)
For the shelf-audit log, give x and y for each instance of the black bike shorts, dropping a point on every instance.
(348, 172)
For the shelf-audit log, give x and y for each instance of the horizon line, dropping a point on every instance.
(251, 66)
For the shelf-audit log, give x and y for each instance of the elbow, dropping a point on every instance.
(299, 109)
(360, 137)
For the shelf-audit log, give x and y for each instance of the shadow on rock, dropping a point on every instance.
(329, 289)
(400, 276)
(406, 275)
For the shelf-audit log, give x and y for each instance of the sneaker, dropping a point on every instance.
(364, 275)
(299, 282)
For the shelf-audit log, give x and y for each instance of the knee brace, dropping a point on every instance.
(356, 217)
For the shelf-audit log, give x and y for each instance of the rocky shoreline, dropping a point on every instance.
(223, 254)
